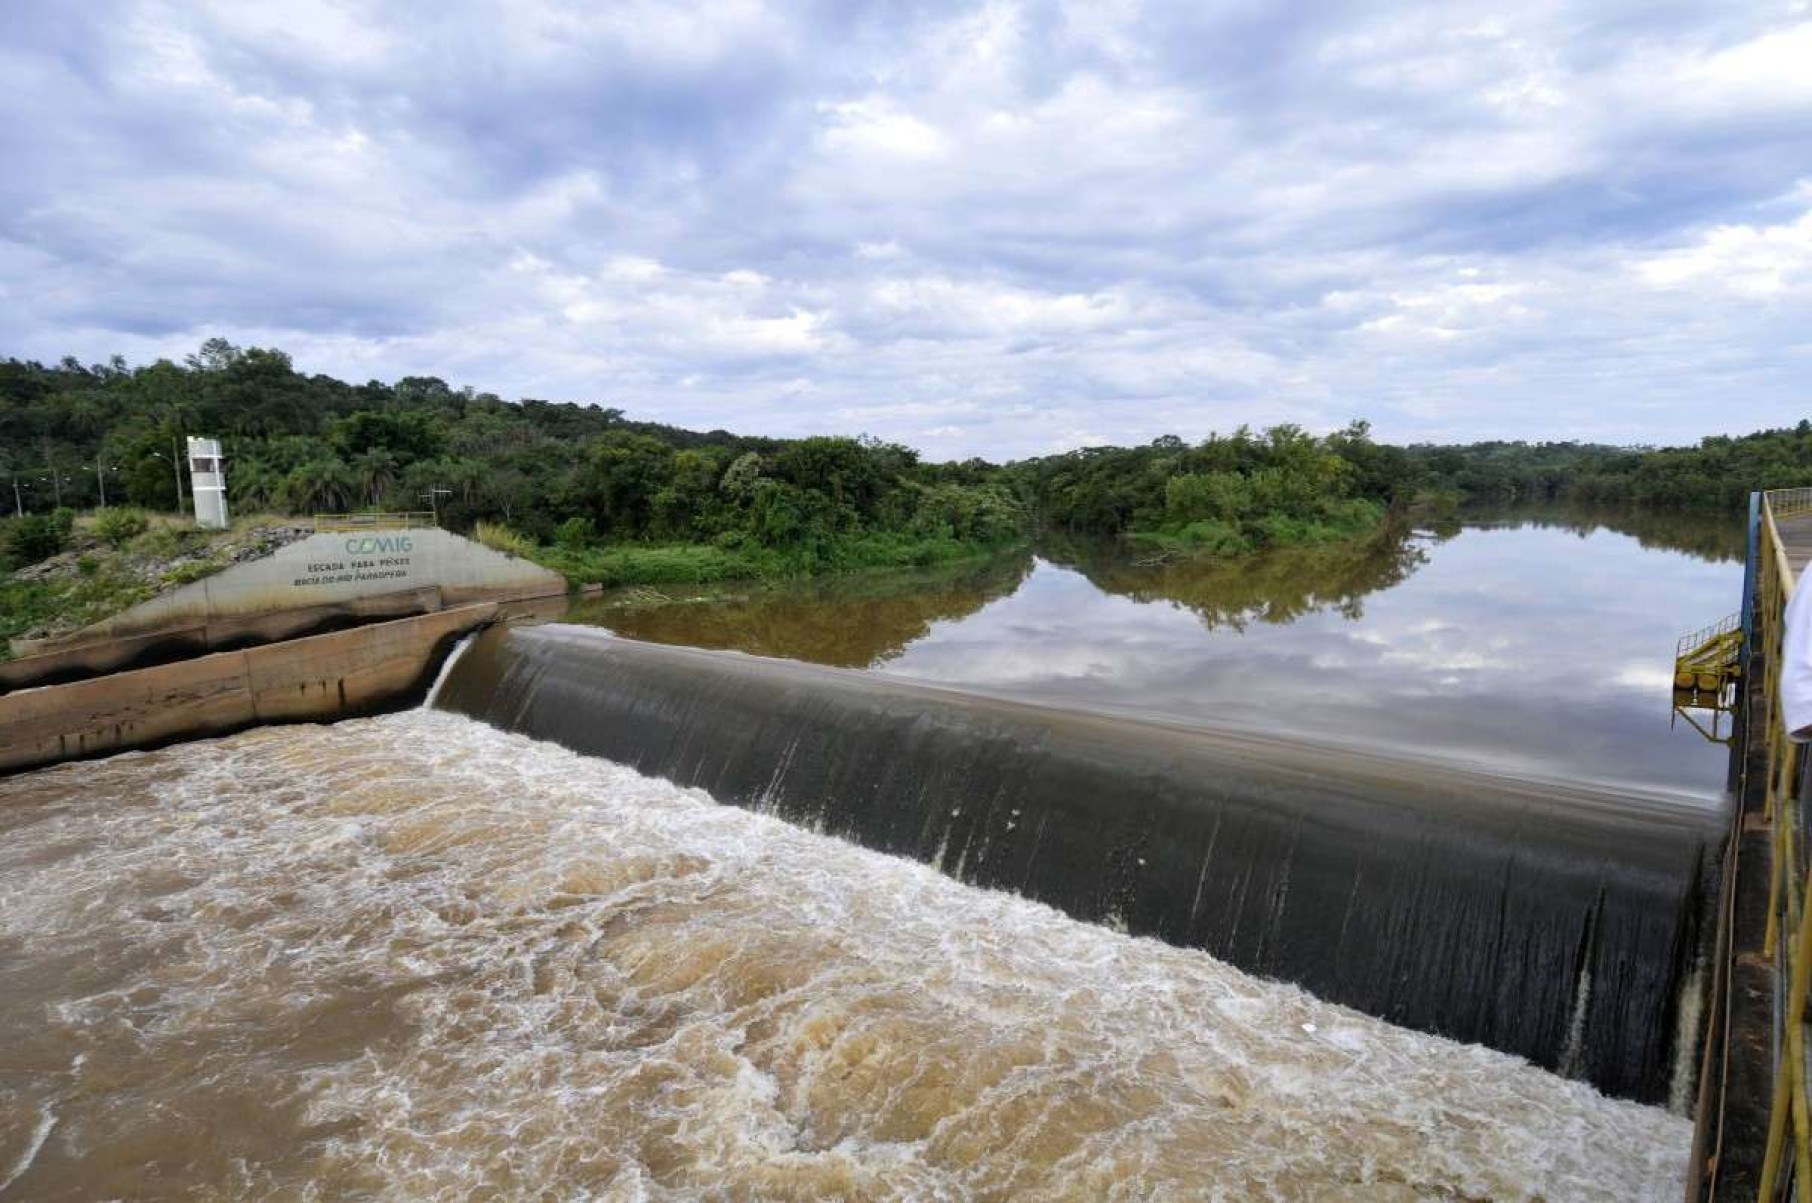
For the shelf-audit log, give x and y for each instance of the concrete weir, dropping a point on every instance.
(405, 591)
(317, 679)
(1557, 921)
(333, 578)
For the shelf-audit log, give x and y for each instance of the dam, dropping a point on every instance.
(1550, 922)
(799, 930)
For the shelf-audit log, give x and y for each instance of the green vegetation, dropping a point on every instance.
(60, 572)
(499, 537)
(578, 487)
(740, 560)
(1229, 495)
(118, 525)
(34, 537)
(1714, 477)
(603, 498)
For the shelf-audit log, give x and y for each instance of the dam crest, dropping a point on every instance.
(1558, 922)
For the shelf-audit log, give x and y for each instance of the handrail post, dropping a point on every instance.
(1739, 734)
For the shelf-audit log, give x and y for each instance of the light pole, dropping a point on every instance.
(175, 467)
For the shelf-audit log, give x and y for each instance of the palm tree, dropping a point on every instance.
(253, 485)
(319, 486)
(376, 473)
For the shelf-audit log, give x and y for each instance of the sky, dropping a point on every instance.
(1003, 229)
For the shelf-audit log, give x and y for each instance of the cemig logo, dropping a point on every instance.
(372, 544)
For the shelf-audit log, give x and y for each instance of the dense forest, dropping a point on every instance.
(608, 498)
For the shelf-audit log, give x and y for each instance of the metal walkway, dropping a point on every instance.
(1753, 1137)
(1796, 534)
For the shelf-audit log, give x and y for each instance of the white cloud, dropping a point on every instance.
(1001, 230)
(875, 126)
(1759, 261)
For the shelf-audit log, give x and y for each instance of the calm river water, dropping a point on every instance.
(1536, 642)
(414, 957)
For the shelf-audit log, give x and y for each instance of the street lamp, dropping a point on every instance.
(176, 468)
(100, 477)
(55, 481)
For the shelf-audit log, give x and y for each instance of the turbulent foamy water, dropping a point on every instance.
(416, 957)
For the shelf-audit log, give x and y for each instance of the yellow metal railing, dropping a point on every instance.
(1788, 942)
(1788, 503)
(1711, 657)
(1729, 624)
(404, 520)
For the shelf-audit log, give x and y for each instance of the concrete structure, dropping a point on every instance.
(94, 656)
(332, 578)
(1555, 920)
(207, 484)
(318, 679)
(341, 566)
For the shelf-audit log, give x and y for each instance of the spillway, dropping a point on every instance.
(1560, 922)
(414, 957)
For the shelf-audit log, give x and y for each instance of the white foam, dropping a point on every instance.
(483, 965)
(446, 669)
(46, 1121)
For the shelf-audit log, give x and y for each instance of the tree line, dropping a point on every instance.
(573, 476)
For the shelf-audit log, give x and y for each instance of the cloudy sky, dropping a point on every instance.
(1000, 229)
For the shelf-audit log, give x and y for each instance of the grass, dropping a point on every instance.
(499, 537)
(708, 563)
(87, 597)
(121, 558)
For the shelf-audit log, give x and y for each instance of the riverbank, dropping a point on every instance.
(745, 560)
(107, 561)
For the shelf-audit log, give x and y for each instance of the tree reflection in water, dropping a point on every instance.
(1277, 586)
(850, 622)
(867, 620)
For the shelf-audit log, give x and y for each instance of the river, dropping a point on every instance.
(416, 957)
(1534, 641)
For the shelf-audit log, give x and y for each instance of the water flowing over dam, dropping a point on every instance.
(1557, 921)
(414, 957)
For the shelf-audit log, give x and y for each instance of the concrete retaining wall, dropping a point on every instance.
(320, 678)
(92, 658)
(334, 567)
(330, 579)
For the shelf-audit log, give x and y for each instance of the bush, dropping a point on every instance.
(1218, 538)
(37, 537)
(166, 542)
(192, 570)
(119, 525)
(575, 533)
(498, 537)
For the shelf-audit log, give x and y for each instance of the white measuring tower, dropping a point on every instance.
(207, 484)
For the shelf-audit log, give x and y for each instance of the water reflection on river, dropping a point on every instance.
(1536, 641)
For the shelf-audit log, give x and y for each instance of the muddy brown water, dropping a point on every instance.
(416, 957)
